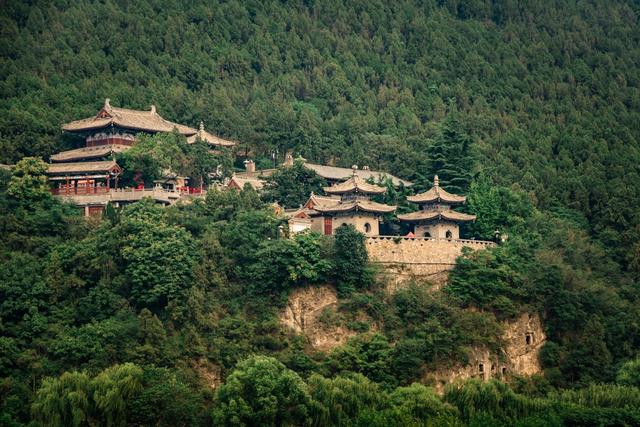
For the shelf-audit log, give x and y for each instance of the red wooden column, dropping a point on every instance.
(328, 226)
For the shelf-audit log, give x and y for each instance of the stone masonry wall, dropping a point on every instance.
(405, 258)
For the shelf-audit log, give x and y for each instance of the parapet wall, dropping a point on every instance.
(406, 258)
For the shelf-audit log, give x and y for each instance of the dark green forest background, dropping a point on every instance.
(531, 108)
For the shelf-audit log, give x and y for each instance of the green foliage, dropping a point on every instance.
(496, 208)
(629, 373)
(75, 399)
(488, 279)
(291, 186)
(158, 258)
(119, 395)
(531, 110)
(451, 157)
(494, 399)
(28, 181)
(154, 156)
(285, 263)
(351, 268)
(262, 391)
(344, 398)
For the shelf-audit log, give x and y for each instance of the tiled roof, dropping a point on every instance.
(355, 184)
(435, 214)
(209, 138)
(89, 152)
(149, 121)
(436, 194)
(315, 200)
(339, 174)
(362, 205)
(256, 183)
(82, 167)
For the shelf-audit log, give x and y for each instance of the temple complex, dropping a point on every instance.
(347, 203)
(331, 174)
(435, 217)
(92, 171)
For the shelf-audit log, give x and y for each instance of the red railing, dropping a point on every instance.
(78, 191)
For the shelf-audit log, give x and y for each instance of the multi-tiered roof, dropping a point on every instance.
(354, 196)
(436, 205)
(123, 118)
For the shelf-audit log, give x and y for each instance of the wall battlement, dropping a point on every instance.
(406, 258)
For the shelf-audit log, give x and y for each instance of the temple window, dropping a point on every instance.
(367, 228)
(528, 339)
(448, 234)
(504, 371)
(481, 368)
(427, 234)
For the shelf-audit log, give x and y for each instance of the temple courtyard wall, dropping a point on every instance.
(402, 259)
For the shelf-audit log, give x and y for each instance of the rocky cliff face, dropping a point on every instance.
(523, 338)
(312, 312)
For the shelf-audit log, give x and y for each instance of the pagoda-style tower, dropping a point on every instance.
(113, 125)
(91, 169)
(353, 207)
(436, 218)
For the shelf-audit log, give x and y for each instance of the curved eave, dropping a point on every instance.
(419, 198)
(353, 189)
(430, 216)
(83, 126)
(371, 207)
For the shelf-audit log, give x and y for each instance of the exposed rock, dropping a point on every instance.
(209, 373)
(523, 338)
(309, 312)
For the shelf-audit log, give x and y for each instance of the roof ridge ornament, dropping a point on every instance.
(201, 127)
(107, 103)
(153, 109)
(436, 181)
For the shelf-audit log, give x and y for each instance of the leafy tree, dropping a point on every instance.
(64, 401)
(496, 208)
(629, 373)
(284, 263)
(451, 156)
(113, 389)
(158, 258)
(291, 186)
(166, 399)
(351, 268)
(344, 397)
(262, 391)
(28, 181)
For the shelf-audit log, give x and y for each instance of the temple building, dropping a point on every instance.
(436, 217)
(331, 174)
(91, 171)
(212, 140)
(348, 203)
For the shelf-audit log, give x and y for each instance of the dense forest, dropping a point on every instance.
(530, 108)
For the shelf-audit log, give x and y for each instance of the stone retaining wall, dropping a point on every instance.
(406, 258)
